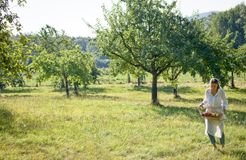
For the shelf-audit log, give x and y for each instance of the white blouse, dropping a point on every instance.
(215, 103)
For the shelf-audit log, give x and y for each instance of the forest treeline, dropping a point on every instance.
(147, 37)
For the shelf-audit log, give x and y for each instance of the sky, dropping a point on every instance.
(68, 15)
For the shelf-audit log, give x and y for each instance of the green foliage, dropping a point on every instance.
(172, 74)
(14, 56)
(95, 73)
(8, 19)
(149, 35)
(78, 66)
(212, 60)
(2, 86)
(144, 35)
(119, 66)
(230, 27)
(207, 56)
(242, 57)
(14, 51)
(60, 58)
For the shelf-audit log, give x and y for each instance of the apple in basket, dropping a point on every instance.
(209, 114)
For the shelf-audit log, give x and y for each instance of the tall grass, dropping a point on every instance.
(115, 122)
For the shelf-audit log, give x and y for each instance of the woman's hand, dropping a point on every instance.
(201, 105)
(201, 108)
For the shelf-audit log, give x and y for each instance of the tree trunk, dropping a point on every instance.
(143, 79)
(175, 92)
(139, 81)
(129, 78)
(154, 98)
(76, 88)
(62, 84)
(66, 86)
(232, 80)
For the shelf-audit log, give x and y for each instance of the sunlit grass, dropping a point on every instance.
(113, 121)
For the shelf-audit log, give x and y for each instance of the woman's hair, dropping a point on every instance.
(215, 81)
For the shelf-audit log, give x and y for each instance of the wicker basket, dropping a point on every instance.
(211, 116)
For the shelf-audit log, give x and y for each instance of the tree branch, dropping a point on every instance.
(163, 68)
(127, 60)
(132, 53)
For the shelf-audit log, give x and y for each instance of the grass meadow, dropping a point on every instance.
(115, 121)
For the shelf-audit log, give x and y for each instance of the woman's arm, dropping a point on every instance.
(205, 99)
(224, 101)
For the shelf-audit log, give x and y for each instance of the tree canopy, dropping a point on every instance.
(230, 27)
(60, 58)
(14, 51)
(151, 35)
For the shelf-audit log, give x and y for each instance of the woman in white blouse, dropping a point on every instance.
(215, 102)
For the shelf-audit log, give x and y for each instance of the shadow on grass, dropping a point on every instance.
(199, 100)
(141, 89)
(10, 124)
(194, 100)
(192, 113)
(239, 90)
(239, 154)
(166, 89)
(233, 117)
(86, 96)
(180, 89)
(18, 90)
(16, 96)
(236, 117)
(235, 100)
(90, 90)
(6, 119)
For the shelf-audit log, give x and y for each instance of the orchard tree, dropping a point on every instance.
(230, 27)
(210, 59)
(14, 55)
(242, 57)
(79, 68)
(8, 19)
(148, 34)
(14, 51)
(61, 59)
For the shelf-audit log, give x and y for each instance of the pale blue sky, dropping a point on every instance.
(68, 14)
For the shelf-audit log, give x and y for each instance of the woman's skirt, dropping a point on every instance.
(214, 127)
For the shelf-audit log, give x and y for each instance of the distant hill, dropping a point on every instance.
(204, 14)
(87, 44)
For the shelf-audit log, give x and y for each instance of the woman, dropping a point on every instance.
(215, 102)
